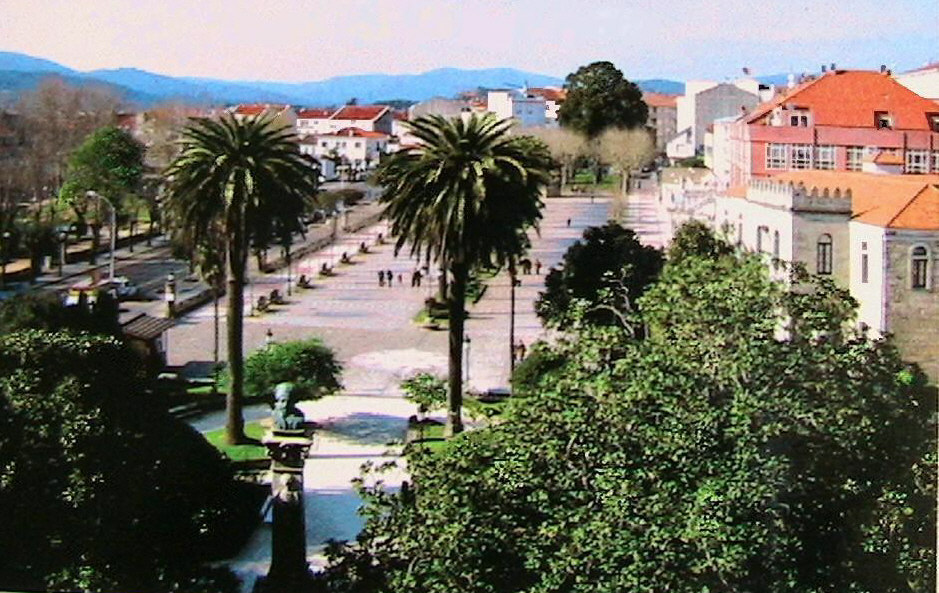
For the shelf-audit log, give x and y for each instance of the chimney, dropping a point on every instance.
(832, 67)
(823, 68)
(883, 68)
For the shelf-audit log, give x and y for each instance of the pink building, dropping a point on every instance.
(834, 122)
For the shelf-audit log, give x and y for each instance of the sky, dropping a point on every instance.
(305, 40)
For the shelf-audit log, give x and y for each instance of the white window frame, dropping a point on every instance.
(800, 156)
(935, 161)
(916, 161)
(777, 156)
(825, 157)
(854, 158)
(914, 260)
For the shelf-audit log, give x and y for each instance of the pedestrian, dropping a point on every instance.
(390, 278)
(526, 266)
(520, 350)
(568, 223)
(381, 277)
(416, 278)
(538, 267)
(400, 279)
(268, 338)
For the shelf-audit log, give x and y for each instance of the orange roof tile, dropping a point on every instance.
(891, 201)
(360, 112)
(556, 95)
(849, 98)
(659, 99)
(315, 113)
(357, 133)
(886, 158)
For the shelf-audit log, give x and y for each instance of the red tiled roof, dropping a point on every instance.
(659, 99)
(357, 133)
(886, 158)
(556, 95)
(360, 112)
(259, 109)
(891, 201)
(849, 98)
(315, 113)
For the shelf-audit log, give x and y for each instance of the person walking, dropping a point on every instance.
(568, 223)
(538, 267)
(390, 278)
(416, 278)
(381, 277)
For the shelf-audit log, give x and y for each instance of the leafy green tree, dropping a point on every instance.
(464, 197)
(695, 238)
(608, 270)
(244, 177)
(308, 364)
(598, 98)
(100, 489)
(109, 162)
(685, 462)
(45, 310)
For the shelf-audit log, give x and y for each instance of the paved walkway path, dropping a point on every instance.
(371, 330)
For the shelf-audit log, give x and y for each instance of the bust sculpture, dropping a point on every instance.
(285, 413)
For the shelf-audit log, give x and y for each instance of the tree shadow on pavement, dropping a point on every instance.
(366, 429)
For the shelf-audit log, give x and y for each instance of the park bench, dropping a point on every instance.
(263, 304)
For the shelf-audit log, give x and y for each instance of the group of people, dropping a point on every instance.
(388, 277)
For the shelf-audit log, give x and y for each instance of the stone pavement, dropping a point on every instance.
(371, 329)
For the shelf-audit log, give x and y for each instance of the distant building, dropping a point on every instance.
(702, 104)
(875, 235)
(553, 98)
(922, 81)
(283, 115)
(526, 109)
(833, 122)
(351, 150)
(371, 118)
(663, 117)
(439, 106)
(314, 120)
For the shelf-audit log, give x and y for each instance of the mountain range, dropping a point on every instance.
(19, 72)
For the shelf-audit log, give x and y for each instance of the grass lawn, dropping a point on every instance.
(254, 430)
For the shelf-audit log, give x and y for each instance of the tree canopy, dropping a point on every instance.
(607, 271)
(109, 162)
(712, 456)
(599, 97)
(100, 490)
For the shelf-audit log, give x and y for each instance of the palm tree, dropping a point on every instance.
(245, 177)
(464, 197)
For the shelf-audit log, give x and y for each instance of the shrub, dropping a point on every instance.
(425, 390)
(308, 364)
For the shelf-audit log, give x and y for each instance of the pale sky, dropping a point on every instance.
(305, 40)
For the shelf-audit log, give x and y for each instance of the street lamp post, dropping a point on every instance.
(466, 341)
(3, 257)
(514, 281)
(93, 194)
(63, 239)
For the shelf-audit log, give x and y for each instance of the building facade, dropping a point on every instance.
(875, 235)
(663, 117)
(834, 122)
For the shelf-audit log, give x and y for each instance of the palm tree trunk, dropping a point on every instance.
(235, 423)
(215, 327)
(457, 317)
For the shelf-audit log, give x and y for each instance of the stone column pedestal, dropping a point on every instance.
(289, 570)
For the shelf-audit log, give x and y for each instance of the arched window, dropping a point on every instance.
(919, 267)
(823, 260)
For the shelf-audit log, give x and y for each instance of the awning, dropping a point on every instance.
(145, 327)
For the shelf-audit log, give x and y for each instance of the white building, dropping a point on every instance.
(875, 235)
(704, 102)
(922, 81)
(371, 118)
(351, 150)
(527, 109)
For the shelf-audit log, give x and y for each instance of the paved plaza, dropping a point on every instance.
(371, 329)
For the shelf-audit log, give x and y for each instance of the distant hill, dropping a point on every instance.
(20, 72)
(661, 85)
